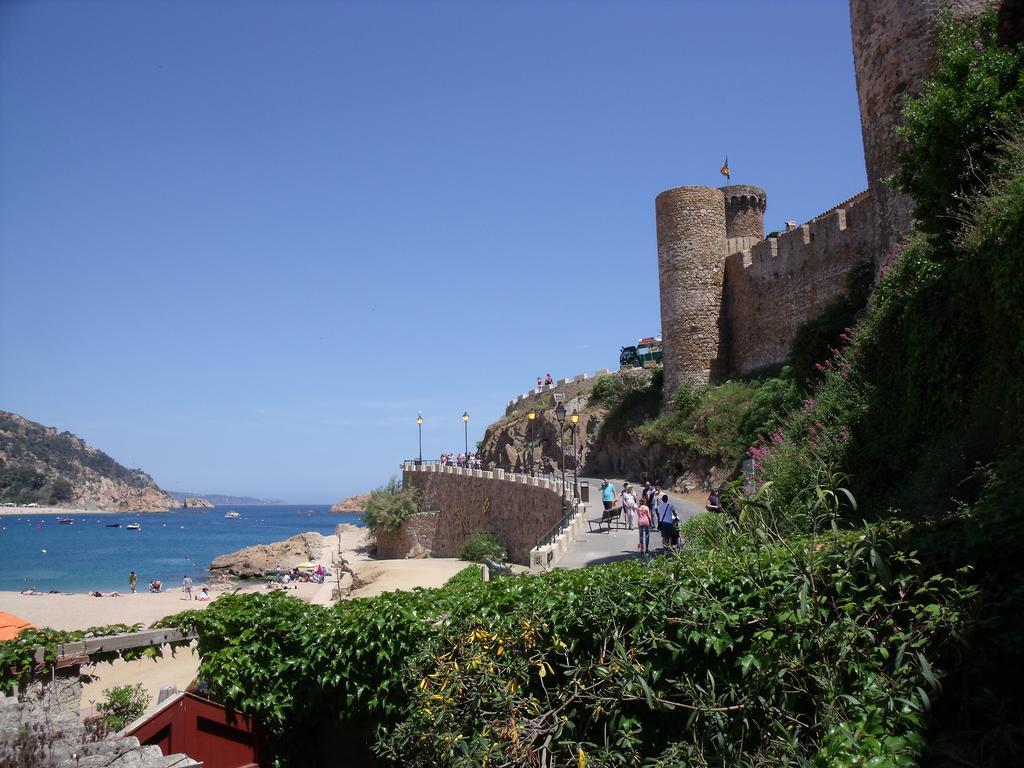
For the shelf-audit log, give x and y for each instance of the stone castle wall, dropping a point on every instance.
(893, 52)
(414, 539)
(517, 509)
(774, 286)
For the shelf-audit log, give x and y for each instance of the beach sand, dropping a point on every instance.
(80, 611)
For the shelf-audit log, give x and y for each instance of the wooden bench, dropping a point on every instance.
(608, 517)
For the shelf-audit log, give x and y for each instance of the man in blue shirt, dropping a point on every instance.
(607, 494)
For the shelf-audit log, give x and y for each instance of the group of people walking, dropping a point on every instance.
(651, 509)
(464, 460)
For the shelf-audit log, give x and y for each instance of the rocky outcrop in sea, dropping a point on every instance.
(197, 503)
(266, 558)
(352, 504)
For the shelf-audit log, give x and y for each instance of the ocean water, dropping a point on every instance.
(37, 551)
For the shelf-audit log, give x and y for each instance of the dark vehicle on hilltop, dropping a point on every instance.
(645, 354)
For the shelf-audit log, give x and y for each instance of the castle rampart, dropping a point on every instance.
(778, 284)
(691, 262)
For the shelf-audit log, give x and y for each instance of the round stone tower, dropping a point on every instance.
(893, 52)
(691, 264)
(744, 210)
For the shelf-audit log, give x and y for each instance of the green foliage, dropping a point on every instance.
(390, 505)
(752, 649)
(17, 656)
(122, 705)
(721, 420)
(481, 545)
(706, 531)
(922, 403)
(953, 129)
(816, 339)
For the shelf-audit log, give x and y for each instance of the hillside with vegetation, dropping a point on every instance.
(39, 465)
(863, 607)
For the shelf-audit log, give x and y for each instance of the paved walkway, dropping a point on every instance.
(618, 543)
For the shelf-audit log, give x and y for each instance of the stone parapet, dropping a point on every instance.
(517, 509)
(569, 387)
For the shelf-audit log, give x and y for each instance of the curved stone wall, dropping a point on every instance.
(691, 261)
(745, 205)
(517, 509)
(893, 52)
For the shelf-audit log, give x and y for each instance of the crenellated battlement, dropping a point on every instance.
(775, 285)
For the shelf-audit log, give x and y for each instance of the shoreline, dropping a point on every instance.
(17, 511)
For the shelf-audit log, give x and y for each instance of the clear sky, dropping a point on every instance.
(243, 243)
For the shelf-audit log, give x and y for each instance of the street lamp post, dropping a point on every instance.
(465, 426)
(560, 416)
(575, 458)
(419, 426)
(529, 440)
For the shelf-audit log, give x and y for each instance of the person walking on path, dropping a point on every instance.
(607, 494)
(643, 519)
(648, 496)
(629, 505)
(186, 585)
(133, 581)
(666, 514)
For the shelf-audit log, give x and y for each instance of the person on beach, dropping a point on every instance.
(186, 585)
(607, 494)
(133, 581)
(204, 594)
(643, 520)
(628, 500)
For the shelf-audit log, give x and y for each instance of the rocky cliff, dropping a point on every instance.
(516, 443)
(194, 502)
(39, 464)
(352, 504)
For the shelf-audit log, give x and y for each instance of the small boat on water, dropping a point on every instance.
(66, 520)
(232, 516)
(133, 527)
(113, 525)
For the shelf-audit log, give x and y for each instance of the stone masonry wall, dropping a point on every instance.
(691, 260)
(780, 283)
(517, 509)
(893, 52)
(744, 211)
(414, 539)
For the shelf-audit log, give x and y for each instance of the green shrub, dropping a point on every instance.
(954, 128)
(390, 505)
(482, 545)
(705, 531)
(721, 420)
(122, 705)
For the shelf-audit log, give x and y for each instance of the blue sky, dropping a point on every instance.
(243, 243)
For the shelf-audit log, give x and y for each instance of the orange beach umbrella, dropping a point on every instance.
(11, 625)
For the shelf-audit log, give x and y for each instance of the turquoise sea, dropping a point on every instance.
(87, 555)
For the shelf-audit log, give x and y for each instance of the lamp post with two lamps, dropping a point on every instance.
(560, 417)
(419, 426)
(575, 457)
(531, 416)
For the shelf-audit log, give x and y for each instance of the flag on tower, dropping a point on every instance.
(725, 169)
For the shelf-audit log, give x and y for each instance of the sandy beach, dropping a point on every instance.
(80, 611)
(18, 511)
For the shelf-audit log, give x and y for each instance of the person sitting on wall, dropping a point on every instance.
(548, 381)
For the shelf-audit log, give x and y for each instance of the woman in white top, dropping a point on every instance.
(629, 505)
